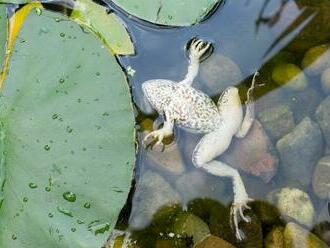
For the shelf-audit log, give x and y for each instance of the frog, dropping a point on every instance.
(179, 103)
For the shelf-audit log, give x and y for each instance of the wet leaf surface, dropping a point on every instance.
(108, 27)
(3, 33)
(67, 137)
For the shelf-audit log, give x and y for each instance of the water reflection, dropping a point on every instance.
(280, 163)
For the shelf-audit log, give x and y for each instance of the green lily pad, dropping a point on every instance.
(66, 138)
(107, 27)
(3, 33)
(169, 12)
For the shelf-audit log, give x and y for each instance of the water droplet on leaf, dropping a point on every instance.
(80, 222)
(33, 185)
(65, 211)
(100, 229)
(38, 11)
(87, 205)
(69, 196)
(69, 129)
(47, 147)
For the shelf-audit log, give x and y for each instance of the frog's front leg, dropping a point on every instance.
(165, 131)
(211, 146)
(198, 48)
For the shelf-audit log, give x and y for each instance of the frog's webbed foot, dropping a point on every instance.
(199, 49)
(237, 213)
(157, 134)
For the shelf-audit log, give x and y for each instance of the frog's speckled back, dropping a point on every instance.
(158, 92)
(187, 106)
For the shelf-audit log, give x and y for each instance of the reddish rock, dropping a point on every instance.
(254, 154)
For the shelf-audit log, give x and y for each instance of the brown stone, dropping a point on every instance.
(275, 239)
(214, 242)
(297, 237)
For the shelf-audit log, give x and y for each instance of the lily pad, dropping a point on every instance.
(3, 33)
(66, 138)
(13, 27)
(169, 12)
(107, 27)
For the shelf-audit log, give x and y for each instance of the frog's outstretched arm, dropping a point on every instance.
(249, 115)
(197, 49)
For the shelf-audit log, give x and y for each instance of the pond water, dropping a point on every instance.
(283, 160)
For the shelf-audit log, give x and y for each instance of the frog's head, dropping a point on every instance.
(158, 93)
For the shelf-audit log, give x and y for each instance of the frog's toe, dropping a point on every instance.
(160, 138)
(204, 49)
(240, 235)
(237, 212)
(149, 135)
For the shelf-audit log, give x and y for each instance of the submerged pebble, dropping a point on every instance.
(214, 242)
(254, 154)
(296, 236)
(293, 204)
(277, 121)
(292, 236)
(316, 60)
(219, 65)
(275, 238)
(290, 76)
(204, 186)
(152, 192)
(299, 151)
(325, 80)
(167, 160)
(189, 225)
(321, 178)
(322, 117)
(304, 103)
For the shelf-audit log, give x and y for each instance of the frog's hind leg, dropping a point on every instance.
(198, 50)
(211, 146)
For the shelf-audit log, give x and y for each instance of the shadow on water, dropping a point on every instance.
(278, 158)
